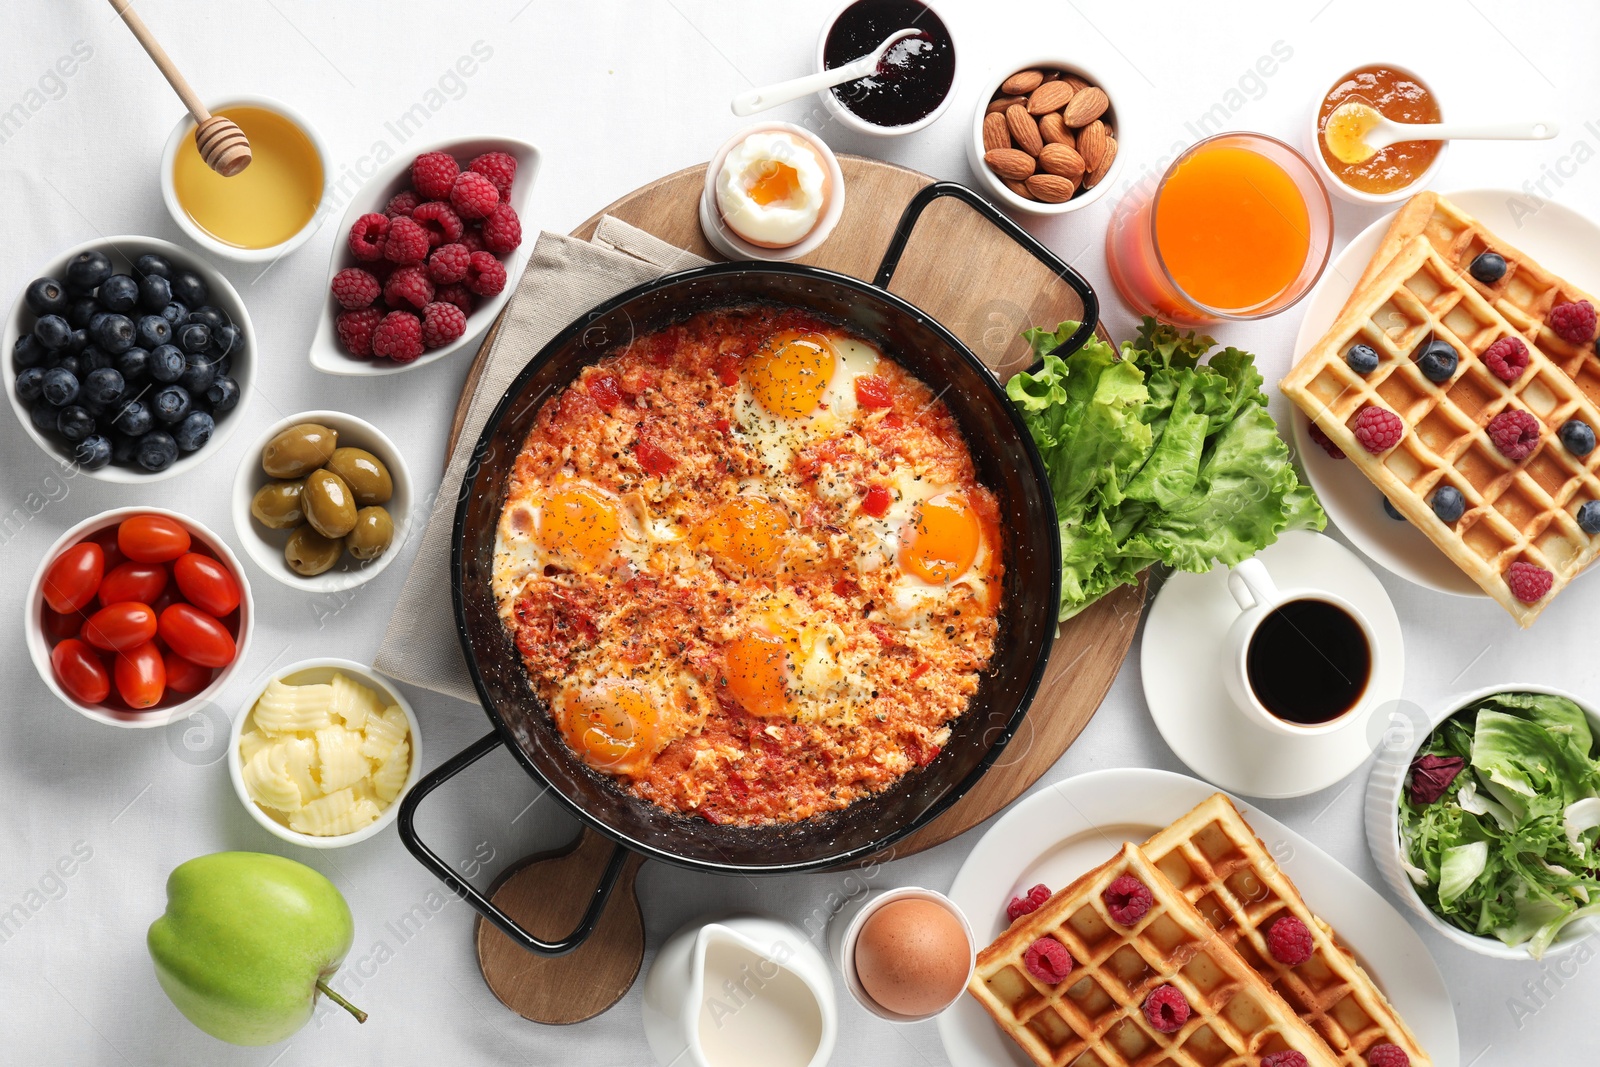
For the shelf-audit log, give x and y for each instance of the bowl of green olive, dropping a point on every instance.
(322, 501)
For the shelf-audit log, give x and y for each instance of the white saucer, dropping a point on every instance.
(1178, 661)
(1565, 242)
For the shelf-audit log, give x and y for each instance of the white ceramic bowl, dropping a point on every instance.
(185, 129)
(265, 546)
(730, 244)
(327, 354)
(1335, 185)
(844, 931)
(1383, 819)
(991, 181)
(123, 252)
(855, 122)
(39, 646)
(309, 672)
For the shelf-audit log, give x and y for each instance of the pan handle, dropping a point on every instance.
(1064, 271)
(464, 889)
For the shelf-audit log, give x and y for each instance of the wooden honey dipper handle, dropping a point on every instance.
(221, 142)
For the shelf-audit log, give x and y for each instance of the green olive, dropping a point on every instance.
(364, 473)
(309, 553)
(299, 450)
(277, 505)
(329, 506)
(373, 533)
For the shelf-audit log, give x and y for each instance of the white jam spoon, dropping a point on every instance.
(1356, 132)
(754, 100)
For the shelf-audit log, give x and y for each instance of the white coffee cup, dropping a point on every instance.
(1258, 596)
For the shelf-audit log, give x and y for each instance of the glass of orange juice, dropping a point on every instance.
(1239, 227)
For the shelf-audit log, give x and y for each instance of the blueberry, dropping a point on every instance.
(75, 423)
(1438, 361)
(1448, 503)
(124, 449)
(77, 342)
(223, 366)
(94, 358)
(1488, 268)
(52, 331)
(176, 314)
(44, 416)
(28, 352)
(60, 386)
(87, 270)
(104, 386)
(119, 293)
(194, 337)
(96, 321)
(188, 288)
(73, 365)
(116, 333)
(81, 311)
(1589, 517)
(1393, 512)
(151, 265)
(198, 374)
(208, 317)
(30, 385)
(133, 364)
(194, 431)
(171, 404)
(101, 413)
(1578, 436)
(166, 363)
(93, 452)
(225, 339)
(134, 418)
(46, 296)
(157, 451)
(1362, 359)
(155, 292)
(223, 395)
(152, 331)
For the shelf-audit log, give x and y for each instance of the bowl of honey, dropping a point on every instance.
(1393, 173)
(267, 210)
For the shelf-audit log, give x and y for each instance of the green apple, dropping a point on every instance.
(247, 942)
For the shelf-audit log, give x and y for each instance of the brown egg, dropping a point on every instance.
(912, 956)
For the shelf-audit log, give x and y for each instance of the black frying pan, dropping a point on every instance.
(1007, 463)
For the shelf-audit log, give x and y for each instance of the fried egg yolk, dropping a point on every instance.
(940, 542)
(757, 672)
(746, 532)
(791, 372)
(612, 725)
(579, 527)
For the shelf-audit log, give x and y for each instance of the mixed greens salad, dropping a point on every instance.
(1156, 458)
(1499, 822)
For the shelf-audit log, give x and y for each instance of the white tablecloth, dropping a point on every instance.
(617, 93)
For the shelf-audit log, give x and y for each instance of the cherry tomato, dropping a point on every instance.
(206, 584)
(184, 676)
(59, 627)
(80, 671)
(116, 627)
(133, 581)
(141, 676)
(107, 540)
(873, 391)
(196, 636)
(73, 578)
(152, 538)
(876, 502)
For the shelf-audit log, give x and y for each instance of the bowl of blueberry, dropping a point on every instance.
(129, 358)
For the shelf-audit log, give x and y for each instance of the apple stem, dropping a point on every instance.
(328, 992)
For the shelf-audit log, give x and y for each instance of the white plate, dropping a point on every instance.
(1057, 834)
(1565, 242)
(1183, 636)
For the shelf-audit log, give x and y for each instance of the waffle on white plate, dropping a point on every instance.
(1519, 532)
(1217, 862)
(1097, 1015)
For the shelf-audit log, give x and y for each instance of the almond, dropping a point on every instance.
(1054, 131)
(995, 133)
(1051, 188)
(1000, 103)
(1060, 160)
(1018, 188)
(1051, 96)
(1009, 163)
(1091, 143)
(1022, 82)
(1106, 159)
(1077, 83)
(1023, 129)
(1085, 107)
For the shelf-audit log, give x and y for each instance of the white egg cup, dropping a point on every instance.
(734, 247)
(844, 931)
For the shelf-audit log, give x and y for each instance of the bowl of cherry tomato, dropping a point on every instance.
(137, 616)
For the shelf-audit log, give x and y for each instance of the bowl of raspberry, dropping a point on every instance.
(426, 257)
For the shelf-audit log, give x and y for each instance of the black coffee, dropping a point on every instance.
(1308, 662)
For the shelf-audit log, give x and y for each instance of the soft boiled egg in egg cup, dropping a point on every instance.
(774, 192)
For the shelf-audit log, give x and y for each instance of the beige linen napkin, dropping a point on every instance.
(565, 277)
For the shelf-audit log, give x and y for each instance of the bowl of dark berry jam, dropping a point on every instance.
(915, 80)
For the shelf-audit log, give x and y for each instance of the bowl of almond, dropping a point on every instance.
(1044, 139)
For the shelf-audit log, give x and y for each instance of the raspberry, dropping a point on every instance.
(1048, 960)
(355, 288)
(1507, 358)
(472, 239)
(1166, 1008)
(1573, 323)
(499, 168)
(432, 173)
(1529, 583)
(1325, 442)
(367, 236)
(443, 224)
(1290, 942)
(473, 195)
(1127, 899)
(442, 323)
(1287, 1058)
(1378, 429)
(1515, 433)
(1387, 1055)
(398, 336)
(402, 203)
(407, 242)
(1029, 903)
(355, 330)
(502, 231)
(448, 263)
(408, 285)
(486, 275)
(456, 294)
